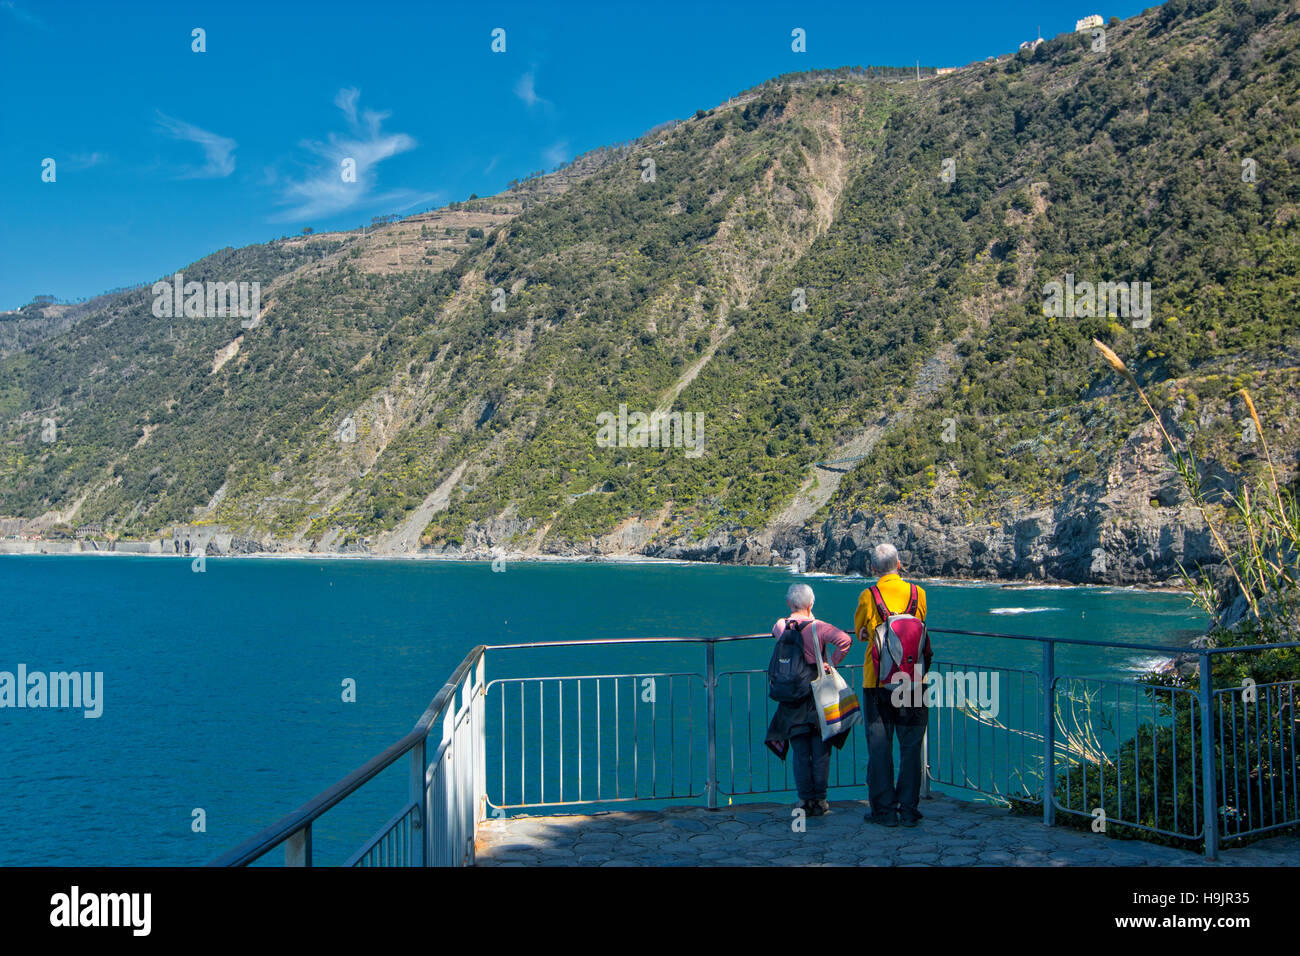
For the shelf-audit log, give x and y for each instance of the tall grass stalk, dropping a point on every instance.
(1263, 562)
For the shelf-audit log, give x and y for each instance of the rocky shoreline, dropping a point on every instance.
(749, 556)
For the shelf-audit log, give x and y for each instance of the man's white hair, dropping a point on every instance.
(884, 558)
(799, 597)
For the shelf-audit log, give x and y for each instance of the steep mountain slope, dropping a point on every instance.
(796, 269)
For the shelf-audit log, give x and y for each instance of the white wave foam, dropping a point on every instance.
(1022, 610)
(1143, 664)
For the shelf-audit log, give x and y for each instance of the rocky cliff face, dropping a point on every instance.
(864, 340)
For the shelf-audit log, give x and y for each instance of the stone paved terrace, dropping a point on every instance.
(953, 833)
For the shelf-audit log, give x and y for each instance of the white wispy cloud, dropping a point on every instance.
(556, 153)
(323, 192)
(84, 160)
(526, 90)
(218, 151)
(21, 15)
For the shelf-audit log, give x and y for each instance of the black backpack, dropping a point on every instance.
(789, 676)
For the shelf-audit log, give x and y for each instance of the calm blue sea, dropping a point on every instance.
(223, 689)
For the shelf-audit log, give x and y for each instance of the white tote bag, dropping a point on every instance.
(836, 703)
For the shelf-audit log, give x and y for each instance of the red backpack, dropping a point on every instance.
(900, 644)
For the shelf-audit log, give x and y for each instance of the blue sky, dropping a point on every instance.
(163, 154)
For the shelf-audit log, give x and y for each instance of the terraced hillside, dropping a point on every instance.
(805, 271)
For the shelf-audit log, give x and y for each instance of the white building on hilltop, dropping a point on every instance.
(1087, 23)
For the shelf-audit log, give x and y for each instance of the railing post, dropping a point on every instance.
(419, 832)
(711, 696)
(925, 760)
(297, 849)
(1049, 733)
(479, 725)
(1209, 774)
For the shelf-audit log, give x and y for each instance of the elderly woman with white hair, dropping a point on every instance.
(794, 727)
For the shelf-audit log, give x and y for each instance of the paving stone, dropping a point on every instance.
(732, 826)
(696, 826)
(648, 839)
(705, 839)
(653, 826)
(954, 833)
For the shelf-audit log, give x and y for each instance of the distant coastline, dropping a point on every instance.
(521, 557)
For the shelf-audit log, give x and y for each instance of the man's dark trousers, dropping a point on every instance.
(882, 720)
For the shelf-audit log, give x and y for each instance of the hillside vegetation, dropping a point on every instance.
(793, 266)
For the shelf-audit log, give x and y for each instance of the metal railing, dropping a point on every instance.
(1134, 752)
(1257, 743)
(436, 827)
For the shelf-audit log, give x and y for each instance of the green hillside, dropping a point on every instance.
(666, 273)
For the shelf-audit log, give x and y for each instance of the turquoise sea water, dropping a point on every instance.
(223, 689)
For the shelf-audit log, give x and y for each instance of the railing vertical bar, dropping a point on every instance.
(415, 792)
(599, 773)
(1281, 755)
(580, 747)
(503, 745)
(1049, 734)
(1024, 722)
(690, 732)
(1236, 761)
(749, 728)
(654, 744)
(1291, 709)
(1241, 768)
(1173, 746)
(1295, 777)
(541, 738)
(711, 699)
(1072, 760)
(1119, 753)
(1138, 762)
(1259, 750)
(560, 685)
(1210, 815)
(618, 750)
(672, 737)
(636, 745)
(1223, 748)
(767, 761)
(965, 740)
(297, 848)
(1272, 796)
(523, 747)
(852, 736)
(731, 728)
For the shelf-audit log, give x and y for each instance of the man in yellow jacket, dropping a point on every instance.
(892, 802)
